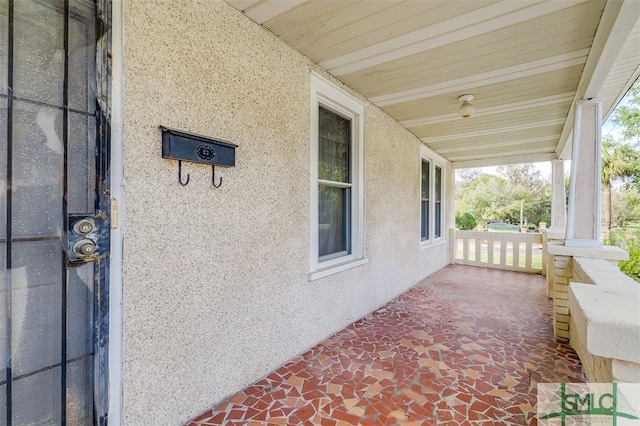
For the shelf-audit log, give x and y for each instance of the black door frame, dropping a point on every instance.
(102, 208)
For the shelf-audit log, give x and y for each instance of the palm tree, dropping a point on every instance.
(618, 162)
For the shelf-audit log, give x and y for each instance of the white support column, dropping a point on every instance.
(450, 197)
(583, 221)
(558, 195)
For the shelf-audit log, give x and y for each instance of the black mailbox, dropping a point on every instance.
(181, 146)
(177, 145)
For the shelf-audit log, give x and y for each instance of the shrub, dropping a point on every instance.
(465, 221)
(631, 267)
(631, 243)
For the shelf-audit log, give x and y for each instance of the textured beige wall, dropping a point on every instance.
(215, 280)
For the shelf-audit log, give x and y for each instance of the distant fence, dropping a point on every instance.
(500, 250)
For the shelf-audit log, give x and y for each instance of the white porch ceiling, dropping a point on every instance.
(526, 62)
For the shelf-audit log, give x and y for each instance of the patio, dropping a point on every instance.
(467, 345)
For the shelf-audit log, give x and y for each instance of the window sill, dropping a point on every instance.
(429, 244)
(334, 269)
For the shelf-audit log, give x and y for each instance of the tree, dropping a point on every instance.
(627, 115)
(485, 198)
(490, 197)
(618, 162)
(625, 207)
(529, 188)
(468, 176)
(521, 175)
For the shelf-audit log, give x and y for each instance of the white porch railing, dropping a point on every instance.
(500, 250)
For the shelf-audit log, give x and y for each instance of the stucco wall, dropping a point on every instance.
(216, 291)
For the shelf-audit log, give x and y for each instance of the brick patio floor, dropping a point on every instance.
(466, 346)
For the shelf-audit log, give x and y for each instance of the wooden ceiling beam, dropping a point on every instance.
(460, 85)
(527, 126)
(498, 109)
(501, 161)
(473, 24)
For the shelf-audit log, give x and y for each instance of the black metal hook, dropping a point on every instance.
(213, 178)
(180, 174)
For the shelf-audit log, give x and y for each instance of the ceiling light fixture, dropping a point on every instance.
(466, 107)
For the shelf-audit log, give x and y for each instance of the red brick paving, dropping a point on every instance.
(466, 346)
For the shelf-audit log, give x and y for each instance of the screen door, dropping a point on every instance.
(53, 215)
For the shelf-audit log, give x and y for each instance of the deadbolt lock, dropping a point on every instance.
(84, 226)
(87, 238)
(84, 248)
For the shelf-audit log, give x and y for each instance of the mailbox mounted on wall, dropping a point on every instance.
(181, 146)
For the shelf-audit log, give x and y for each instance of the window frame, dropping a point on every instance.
(434, 163)
(438, 204)
(329, 96)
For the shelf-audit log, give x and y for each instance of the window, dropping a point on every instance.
(431, 200)
(334, 185)
(424, 232)
(337, 221)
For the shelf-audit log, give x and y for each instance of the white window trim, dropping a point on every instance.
(328, 95)
(426, 155)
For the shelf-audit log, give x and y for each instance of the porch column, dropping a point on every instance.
(583, 220)
(558, 195)
(450, 203)
(450, 197)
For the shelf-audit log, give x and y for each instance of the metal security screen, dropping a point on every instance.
(52, 312)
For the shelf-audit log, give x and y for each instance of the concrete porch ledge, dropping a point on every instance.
(560, 272)
(608, 318)
(550, 236)
(554, 233)
(592, 271)
(605, 320)
(606, 252)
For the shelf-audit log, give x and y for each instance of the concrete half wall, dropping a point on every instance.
(216, 291)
